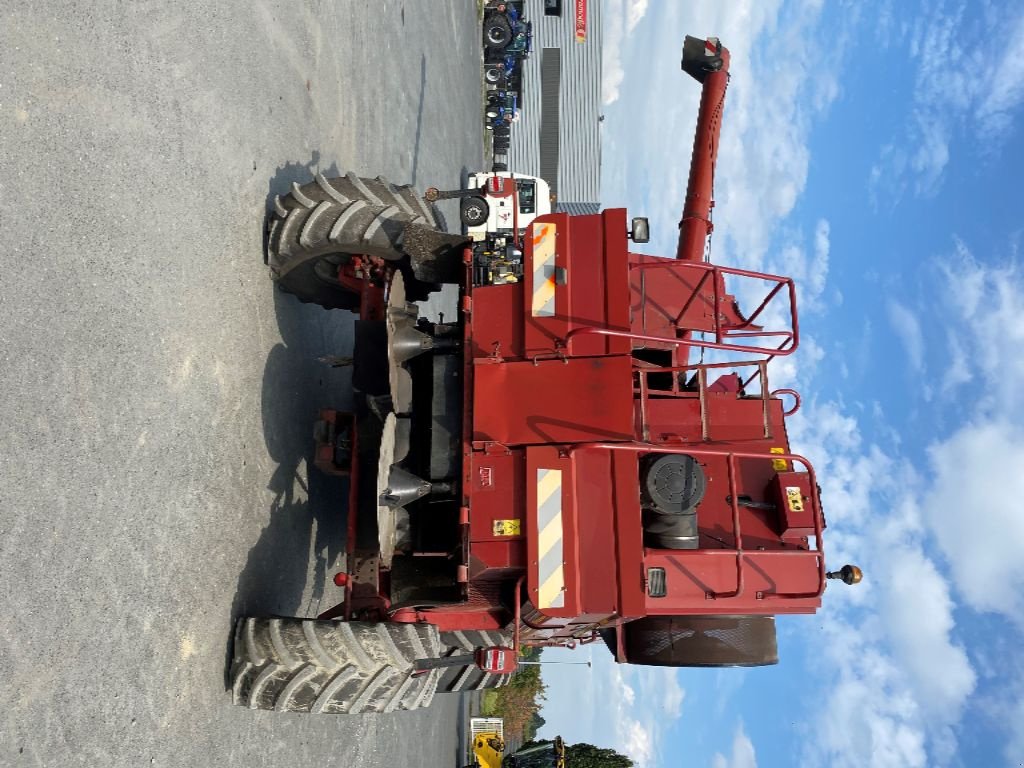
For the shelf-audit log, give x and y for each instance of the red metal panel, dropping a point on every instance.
(791, 494)
(616, 268)
(497, 499)
(494, 331)
(730, 420)
(553, 401)
(692, 576)
(629, 533)
(597, 533)
(585, 287)
(591, 287)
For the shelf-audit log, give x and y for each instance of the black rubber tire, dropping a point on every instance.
(473, 211)
(499, 168)
(493, 74)
(319, 225)
(460, 679)
(497, 32)
(332, 667)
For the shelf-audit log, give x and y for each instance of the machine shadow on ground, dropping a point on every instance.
(288, 567)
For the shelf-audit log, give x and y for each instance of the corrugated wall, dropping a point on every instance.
(577, 121)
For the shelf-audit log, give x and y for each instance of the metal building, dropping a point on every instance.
(558, 134)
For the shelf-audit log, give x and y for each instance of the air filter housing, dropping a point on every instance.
(671, 487)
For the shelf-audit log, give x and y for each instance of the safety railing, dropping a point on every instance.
(643, 389)
(730, 457)
(725, 333)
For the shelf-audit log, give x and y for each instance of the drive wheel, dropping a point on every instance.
(332, 667)
(497, 32)
(318, 227)
(471, 678)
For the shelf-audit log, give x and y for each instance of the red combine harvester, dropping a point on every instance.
(555, 466)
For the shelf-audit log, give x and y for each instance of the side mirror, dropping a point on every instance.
(640, 231)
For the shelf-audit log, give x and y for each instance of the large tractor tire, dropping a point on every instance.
(472, 678)
(337, 667)
(493, 74)
(497, 32)
(317, 227)
(298, 665)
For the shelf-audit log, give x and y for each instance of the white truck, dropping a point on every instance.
(505, 202)
(495, 209)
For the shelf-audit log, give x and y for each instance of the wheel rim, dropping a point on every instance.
(496, 35)
(474, 213)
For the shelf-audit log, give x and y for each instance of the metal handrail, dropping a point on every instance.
(730, 456)
(702, 383)
(790, 339)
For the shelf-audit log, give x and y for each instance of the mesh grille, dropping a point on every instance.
(656, 585)
(702, 641)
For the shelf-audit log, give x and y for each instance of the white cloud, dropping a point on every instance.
(884, 639)
(1015, 744)
(918, 614)
(958, 371)
(635, 10)
(742, 755)
(638, 742)
(957, 89)
(641, 722)
(1006, 92)
(620, 18)
(908, 330)
(661, 685)
(977, 469)
(975, 513)
(987, 304)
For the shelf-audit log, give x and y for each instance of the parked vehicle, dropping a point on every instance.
(558, 463)
(501, 204)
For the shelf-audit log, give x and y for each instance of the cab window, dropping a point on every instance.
(527, 191)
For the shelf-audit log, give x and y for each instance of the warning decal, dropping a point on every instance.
(779, 465)
(508, 527)
(794, 499)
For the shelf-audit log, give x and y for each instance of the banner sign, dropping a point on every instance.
(581, 21)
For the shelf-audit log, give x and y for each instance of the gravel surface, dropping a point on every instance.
(157, 394)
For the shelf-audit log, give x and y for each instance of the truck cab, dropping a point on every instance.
(510, 203)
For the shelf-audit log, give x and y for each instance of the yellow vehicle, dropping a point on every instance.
(488, 745)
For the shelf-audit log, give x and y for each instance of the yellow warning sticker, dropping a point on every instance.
(779, 465)
(508, 527)
(794, 498)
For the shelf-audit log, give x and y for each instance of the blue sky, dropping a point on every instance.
(874, 151)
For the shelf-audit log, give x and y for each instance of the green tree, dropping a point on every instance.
(535, 724)
(589, 756)
(580, 756)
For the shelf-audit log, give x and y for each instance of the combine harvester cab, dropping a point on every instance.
(572, 460)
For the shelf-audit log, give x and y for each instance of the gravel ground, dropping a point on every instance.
(157, 394)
